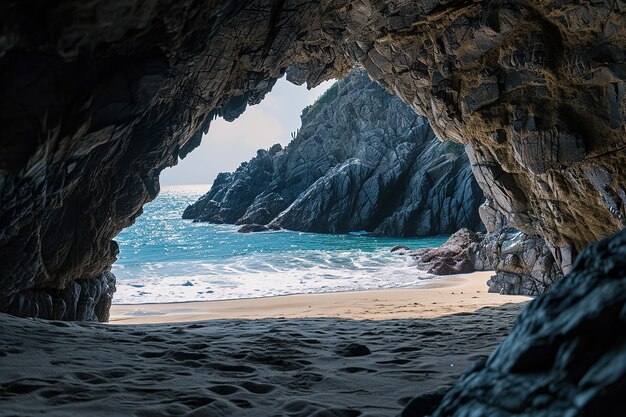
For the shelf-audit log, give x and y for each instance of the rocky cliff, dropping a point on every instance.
(522, 264)
(362, 160)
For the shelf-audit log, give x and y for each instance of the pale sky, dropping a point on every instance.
(229, 144)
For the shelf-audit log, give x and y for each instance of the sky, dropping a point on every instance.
(227, 145)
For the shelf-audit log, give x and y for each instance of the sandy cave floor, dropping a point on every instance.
(266, 366)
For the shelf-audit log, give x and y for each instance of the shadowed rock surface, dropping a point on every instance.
(524, 264)
(566, 355)
(363, 160)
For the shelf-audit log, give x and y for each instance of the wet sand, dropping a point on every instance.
(446, 295)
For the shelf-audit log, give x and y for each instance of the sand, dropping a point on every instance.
(446, 295)
(416, 341)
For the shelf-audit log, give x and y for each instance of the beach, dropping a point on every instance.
(444, 295)
(362, 354)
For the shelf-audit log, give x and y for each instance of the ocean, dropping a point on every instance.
(164, 258)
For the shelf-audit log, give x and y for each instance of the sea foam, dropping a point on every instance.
(166, 259)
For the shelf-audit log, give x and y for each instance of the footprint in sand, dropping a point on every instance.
(224, 389)
(255, 388)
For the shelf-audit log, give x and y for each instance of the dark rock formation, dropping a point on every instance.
(523, 263)
(233, 193)
(399, 248)
(252, 228)
(456, 256)
(363, 160)
(98, 97)
(566, 355)
(84, 299)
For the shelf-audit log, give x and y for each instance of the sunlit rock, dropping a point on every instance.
(362, 160)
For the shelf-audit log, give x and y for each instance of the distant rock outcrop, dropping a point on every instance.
(363, 160)
(523, 264)
(456, 256)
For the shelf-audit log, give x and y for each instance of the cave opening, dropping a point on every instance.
(302, 143)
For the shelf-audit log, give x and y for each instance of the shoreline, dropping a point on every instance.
(446, 295)
(428, 284)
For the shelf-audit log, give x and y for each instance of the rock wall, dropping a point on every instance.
(98, 97)
(566, 355)
(362, 160)
(523, 264)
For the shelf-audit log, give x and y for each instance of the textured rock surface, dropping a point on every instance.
(523, 263)
(363, 160)
(458, 255)
(566, 355)
(252, 228)
(84, 299)
(98, 97)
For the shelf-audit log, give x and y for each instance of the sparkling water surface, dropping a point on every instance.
(164, 258)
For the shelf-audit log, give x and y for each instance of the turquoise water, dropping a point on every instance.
(164, 258)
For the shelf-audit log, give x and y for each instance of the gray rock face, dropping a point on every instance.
(84, 299)
(231, 195)
(523, 264)
(363, 160)
(566, 355)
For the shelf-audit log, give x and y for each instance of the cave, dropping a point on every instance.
(99, 97)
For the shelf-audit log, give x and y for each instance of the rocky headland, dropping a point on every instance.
(362, 161)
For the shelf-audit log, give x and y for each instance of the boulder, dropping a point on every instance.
(456, 256)
(399, 248)
(253, 228)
